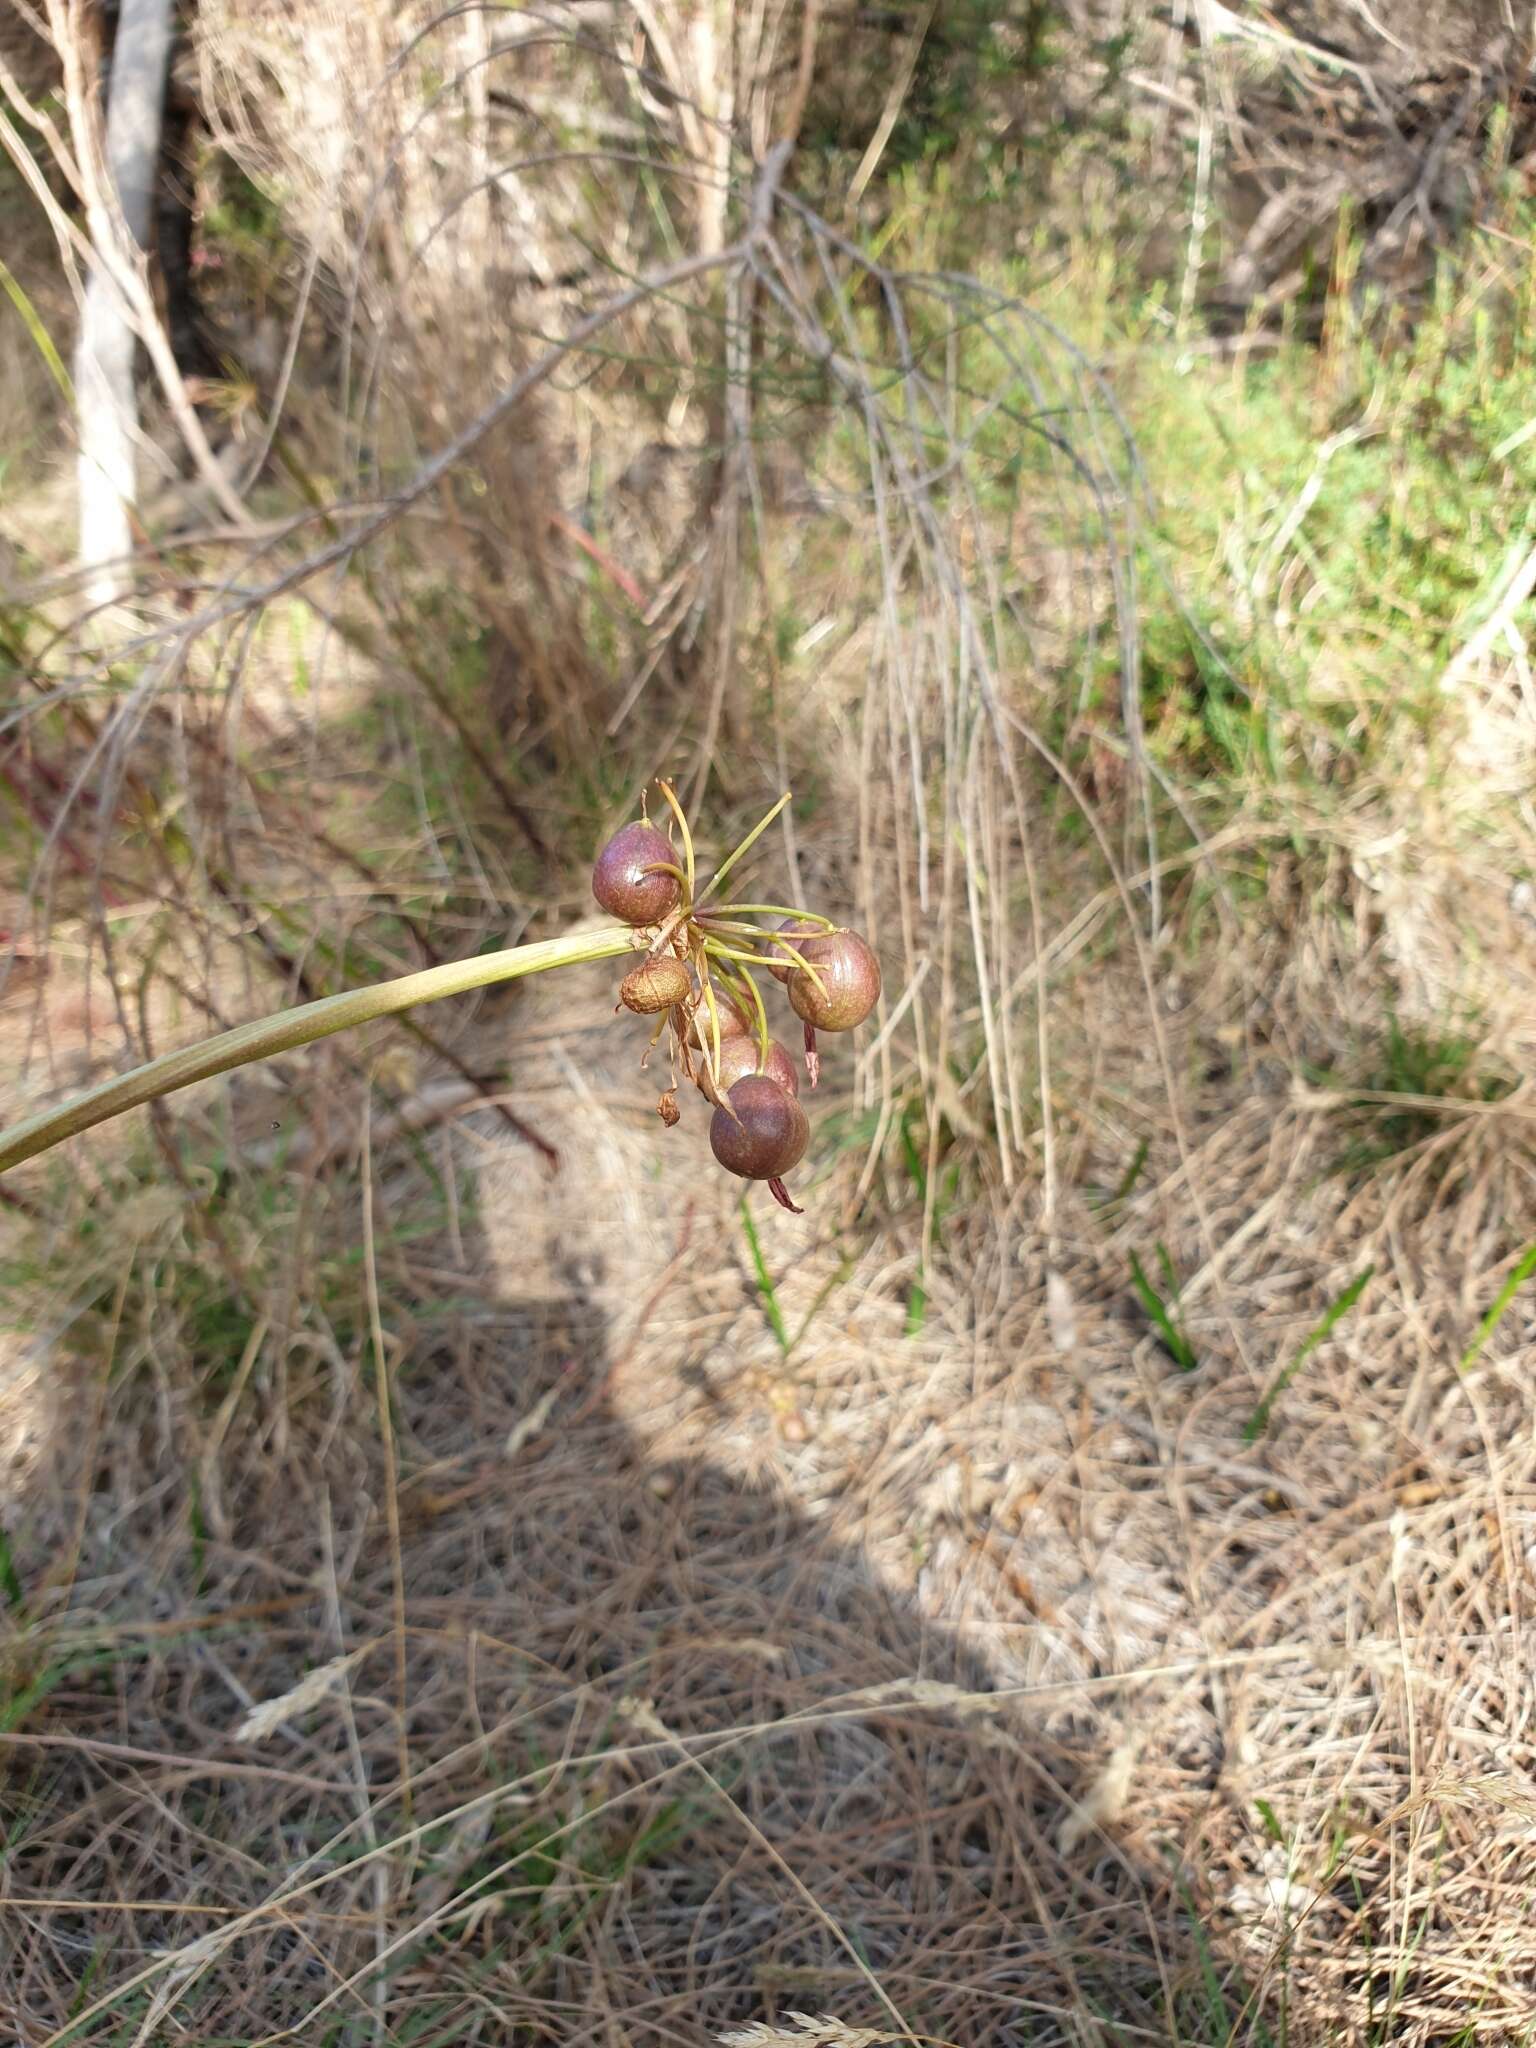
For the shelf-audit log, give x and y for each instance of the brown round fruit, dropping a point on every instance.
(849, 986)
(655, 985)
(763, 1133)
(780, 965)
(739, 1057)
(621, 880)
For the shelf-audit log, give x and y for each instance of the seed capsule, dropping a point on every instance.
(620, 880)
(655, 985)
(763, 1133)
(849, 982)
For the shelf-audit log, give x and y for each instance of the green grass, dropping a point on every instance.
(1423, 1066)
(1220, 2009)
(41, 339)
(1162, 1309)
(1335, 1312)
(1524, 1267)
(1108, 1202)
(767, 1292)
(1327, 523)
(1338, 526)
(10, 1579)
(769, 1295)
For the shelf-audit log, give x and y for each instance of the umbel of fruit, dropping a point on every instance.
(697, 945)
(698, 980)
(761, 1131)
(631, 877)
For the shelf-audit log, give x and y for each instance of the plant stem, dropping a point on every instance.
(717, 949)
(265, 1037)
(739, 981)
(745, 847)
(682, 825)
(826, 924)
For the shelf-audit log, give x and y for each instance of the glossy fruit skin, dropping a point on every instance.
(655, 985)
(620, 882)
(733, 1022)
(781, 967)
(738, 1058)
(764, 1132)
(850, 977)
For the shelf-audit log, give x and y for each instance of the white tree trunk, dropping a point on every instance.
(105, 402)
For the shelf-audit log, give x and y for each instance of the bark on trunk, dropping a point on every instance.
(106, 404)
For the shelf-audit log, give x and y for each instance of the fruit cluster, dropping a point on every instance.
(697, 980)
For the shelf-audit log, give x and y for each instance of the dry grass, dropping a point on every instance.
(984, 1683)
(437, 1609)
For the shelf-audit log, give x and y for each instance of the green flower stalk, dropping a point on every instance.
(266, 1038)
(695, 979)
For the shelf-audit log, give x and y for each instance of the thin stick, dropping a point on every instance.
(385, 1396)
(717, 949)
(711, 1051)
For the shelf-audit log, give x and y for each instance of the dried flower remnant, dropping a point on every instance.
(654, 986)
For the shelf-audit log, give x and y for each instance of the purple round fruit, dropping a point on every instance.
(764, 1132)
(623, 880)
(849, 982)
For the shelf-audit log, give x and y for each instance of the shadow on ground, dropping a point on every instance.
(681, 1755)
